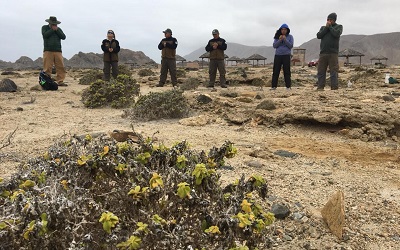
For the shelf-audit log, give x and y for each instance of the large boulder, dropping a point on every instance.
(7, 85)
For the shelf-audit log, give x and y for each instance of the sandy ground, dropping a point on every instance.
(367, 172)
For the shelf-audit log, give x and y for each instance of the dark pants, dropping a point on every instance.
(107, 69)
(168, 64)
(280, 60)
(215, 65)
(332, 61)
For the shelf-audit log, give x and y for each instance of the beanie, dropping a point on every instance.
(332, 16)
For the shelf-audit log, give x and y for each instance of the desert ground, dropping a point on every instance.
(311, 144)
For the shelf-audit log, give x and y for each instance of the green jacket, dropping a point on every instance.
(330, 37)
(52, 39)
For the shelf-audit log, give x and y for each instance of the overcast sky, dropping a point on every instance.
(139, 24)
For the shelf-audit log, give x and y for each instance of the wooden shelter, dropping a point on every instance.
(379, 59)
(256, 57)
(350, 53)
(178, 58)
(234, 59)
(207, 55)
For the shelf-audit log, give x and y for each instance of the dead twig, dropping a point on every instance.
(7, 140)
(33, 99)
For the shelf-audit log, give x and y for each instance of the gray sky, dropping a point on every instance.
(139, 24)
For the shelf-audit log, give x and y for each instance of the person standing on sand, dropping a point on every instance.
(52, 53)
(110, 47)
(216, 47)
(168, 47)
(283, 44)
(329, 51)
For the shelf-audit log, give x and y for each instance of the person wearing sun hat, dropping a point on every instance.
(329, 51)
(283, 44)
(110, 47)
(52, 52)
(168, 47)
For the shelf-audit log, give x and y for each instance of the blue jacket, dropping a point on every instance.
(283, 47)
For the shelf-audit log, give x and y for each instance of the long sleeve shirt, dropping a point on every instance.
(284, 46)
(52, 38)
(330, 37)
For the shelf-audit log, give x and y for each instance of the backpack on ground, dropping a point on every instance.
(46, 82)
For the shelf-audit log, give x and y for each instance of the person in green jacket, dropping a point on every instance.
(52, 53)
(329, 51)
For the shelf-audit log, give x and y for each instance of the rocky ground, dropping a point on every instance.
(308, 144)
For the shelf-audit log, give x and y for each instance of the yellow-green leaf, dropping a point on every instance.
(29, 229)
(246, 206)
(183, 190)
(3, 225)
(27, 184)
(132, 243)
(109, 221)
(213, 230)
(156, 181)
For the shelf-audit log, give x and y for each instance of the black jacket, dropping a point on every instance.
(169, 50)
(110, 56)
(218, 53)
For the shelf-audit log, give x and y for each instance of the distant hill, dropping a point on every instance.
(82, 60)
(387, 44)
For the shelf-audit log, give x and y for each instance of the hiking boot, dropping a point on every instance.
(224, 86)
(289, 88)
(210, 85)
(273, 88)
(334, 88)
(174, 84)
(320, 89)
(160, 85)
(62, 84)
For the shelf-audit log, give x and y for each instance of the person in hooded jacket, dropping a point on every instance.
(283, 44)
(110, 47)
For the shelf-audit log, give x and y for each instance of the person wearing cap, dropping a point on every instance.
(329, 51)
(283, 44)
(52, 53)
(110, 47)
(216, 47)
(168, 47)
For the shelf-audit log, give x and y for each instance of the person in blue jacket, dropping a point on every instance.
(283, 44)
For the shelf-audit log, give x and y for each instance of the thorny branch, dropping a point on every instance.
(7, 140)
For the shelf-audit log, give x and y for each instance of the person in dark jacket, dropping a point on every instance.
(216, 47)
(110, 47)
(329, 51)
(283, 43)
(168, 47)
(52, 53)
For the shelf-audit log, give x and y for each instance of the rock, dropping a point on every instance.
(7, 85)
(19, 109)
(250, 94)
(388, 98)
(244, 99)
(333, 214)
(229, 94)
(280, 211)
(10, 73)
(284, 153)
(254, 164)
(237, 118)
(36, 88)
(204, 99)
(297, 216)
(259, 96)
(266, 105)
(153, 78)
(121, 136)
(200, 120)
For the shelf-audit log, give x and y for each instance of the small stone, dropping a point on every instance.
(259, 96)
(280, 211)
(284, 153)
(20, 109)
(229, 94)
(266, 105)
(297, 216)
(195, 121)
(388, 98)
(287, 237)
(254, 164)
(244, 99)
(7, 85)
(333, 214)
(204, 99)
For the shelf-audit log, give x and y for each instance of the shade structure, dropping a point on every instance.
(379, 59)
(350, 53)
(234, 59)
(256, 57)
(180, 59)
(207, 55)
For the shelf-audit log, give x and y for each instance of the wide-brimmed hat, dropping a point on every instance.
(167, 31)
(52, 20)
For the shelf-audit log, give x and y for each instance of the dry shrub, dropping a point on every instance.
(117, 93)
(145, 72)
(169, 104)
(90, 77)
(87, 193)
(190, 84)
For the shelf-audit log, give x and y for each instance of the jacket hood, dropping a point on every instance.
(278, 32)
